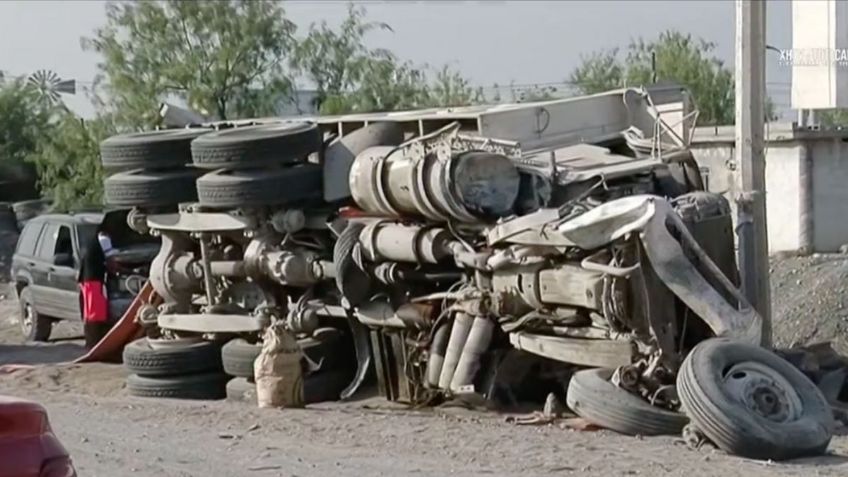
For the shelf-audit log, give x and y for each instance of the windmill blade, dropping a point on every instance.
(46, 83)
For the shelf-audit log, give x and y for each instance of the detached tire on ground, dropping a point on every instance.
(256, 146)
(752, 403)
(174, 359)
(238, 188)
(593, 397)
(149, 150)
(194, 386)
(140, 188)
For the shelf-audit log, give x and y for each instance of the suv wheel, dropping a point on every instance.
(33, 326)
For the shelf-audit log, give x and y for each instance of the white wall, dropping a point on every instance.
(782, 196)
(830, 194)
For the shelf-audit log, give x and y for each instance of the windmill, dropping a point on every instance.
(49, 85)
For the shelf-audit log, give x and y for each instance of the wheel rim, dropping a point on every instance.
(27, 319)
(763, 391)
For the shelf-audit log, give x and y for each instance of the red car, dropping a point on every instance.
(28, 447)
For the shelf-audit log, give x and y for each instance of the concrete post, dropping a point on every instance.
(751, 206)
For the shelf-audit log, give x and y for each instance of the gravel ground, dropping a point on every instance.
(105, 430)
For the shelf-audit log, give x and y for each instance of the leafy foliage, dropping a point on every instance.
(225, 58)
(68, 161)
(24, 121)
(679, 58)
(350, 77)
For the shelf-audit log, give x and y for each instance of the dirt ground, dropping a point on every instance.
(107, 431)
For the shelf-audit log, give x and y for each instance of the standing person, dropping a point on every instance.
(92, 279)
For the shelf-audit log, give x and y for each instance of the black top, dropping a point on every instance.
(93, 265)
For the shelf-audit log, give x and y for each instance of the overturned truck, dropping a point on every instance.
(483, 251)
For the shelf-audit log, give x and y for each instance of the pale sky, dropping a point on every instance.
(489, 41)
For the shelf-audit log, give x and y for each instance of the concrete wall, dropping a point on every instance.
(830, 193)
(782, 197)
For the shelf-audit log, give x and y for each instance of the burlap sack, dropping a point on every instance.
(279, 379)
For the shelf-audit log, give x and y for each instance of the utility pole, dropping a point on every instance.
(751, 203)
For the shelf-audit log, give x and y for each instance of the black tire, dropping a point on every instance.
(194, 386)
(238, 357)
(237, 188)
(142, 359)
(241, 390)
(255, 146)
(593, 397)
(731, 424)
(353, 282)
(141, 188)
(318, 387)
(34, 327)
(149, 150)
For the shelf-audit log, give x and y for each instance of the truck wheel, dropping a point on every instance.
(256, 146)
(241, 390)
(34, 326)
(237, 188)
(593, 397)
(193, 386)
(238, 356)
(353, 282)
(318, 387)
(173, 359)
(149, 150)
(752, 403)
(140, 188)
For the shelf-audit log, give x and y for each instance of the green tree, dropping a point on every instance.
(24, 121)
(679, 58)
(68, 161)
(224, 58)
(351, 77)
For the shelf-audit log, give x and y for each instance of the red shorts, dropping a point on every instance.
(95, 306)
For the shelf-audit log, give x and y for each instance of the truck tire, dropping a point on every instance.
(353, 282)
(172, 360)
(593, 397)
(237, 188)
(149, 150)
(34, 326)
(194, 386)
(256, 146)
(319, 387)
(752, 403)
(241, 390)
(238, 355)
(140, 188)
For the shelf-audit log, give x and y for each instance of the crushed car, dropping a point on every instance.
(491, 252)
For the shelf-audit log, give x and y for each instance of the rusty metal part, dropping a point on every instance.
(213, 323)
(379, 313)
(583, 352)
(438, 348)
(208, 279)
(175, 274)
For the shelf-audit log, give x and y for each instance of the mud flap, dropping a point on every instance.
(124, 331)
(362, 344)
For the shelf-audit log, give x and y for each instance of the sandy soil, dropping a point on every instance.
(109, 433)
